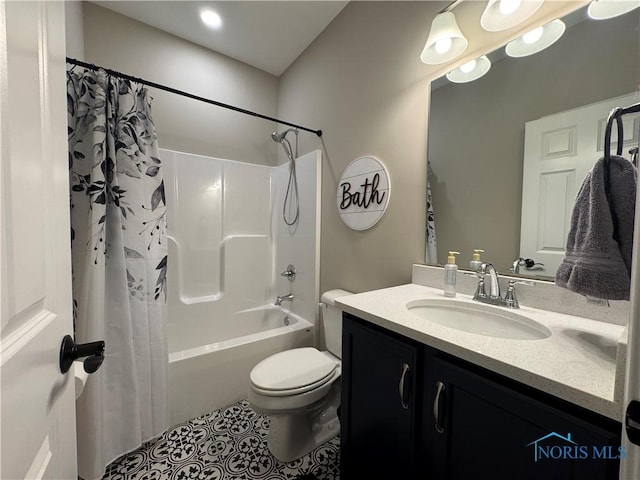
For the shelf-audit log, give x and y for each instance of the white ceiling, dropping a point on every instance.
(266, 34)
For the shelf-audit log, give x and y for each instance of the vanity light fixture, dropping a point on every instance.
(504, 14)
(536, 40)
(211, 18)
(604, 9)
(445, 41)
(470, 71)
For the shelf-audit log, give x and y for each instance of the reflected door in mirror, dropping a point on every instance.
(559, 151)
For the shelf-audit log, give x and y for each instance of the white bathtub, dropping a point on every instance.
(208, 377)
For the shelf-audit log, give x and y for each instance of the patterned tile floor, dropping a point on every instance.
(227, 444)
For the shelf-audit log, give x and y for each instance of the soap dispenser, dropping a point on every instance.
(475, 262)
(450, 273)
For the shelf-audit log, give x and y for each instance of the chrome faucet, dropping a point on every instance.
(515, 266)
(494, 285)
(494, 297)
(284, 298)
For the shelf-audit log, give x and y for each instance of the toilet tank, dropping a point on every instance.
(332, 320)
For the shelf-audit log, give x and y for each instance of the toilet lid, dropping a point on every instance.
(292, 369)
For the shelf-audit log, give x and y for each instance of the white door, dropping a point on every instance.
(37, 402)
(630, 466)
(559, 151)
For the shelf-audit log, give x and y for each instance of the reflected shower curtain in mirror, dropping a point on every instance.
(431, 254)
(119, 251)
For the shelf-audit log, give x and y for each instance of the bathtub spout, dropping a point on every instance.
(284, 298)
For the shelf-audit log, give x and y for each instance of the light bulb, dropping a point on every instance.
(533, 36)
(211, 19)
(469, 66)
(443, 45)
(604, 9)
(507, 7)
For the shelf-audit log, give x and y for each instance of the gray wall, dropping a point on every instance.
(74, 29)
(118, 42)
(362, 82)
(476, 130)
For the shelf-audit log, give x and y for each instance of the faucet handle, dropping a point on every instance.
(289, 273)
(480, 291)
(510, 299)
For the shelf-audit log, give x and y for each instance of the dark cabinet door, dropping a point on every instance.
(378, 405)
(482, 429)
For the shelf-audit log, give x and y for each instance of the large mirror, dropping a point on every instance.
(481, 132)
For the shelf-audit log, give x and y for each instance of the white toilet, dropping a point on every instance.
(300, 389)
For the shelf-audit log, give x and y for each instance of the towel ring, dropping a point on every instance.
(616, 115)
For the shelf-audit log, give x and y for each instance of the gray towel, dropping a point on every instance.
(598, 256)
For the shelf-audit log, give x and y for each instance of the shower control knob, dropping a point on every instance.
(71, 351)
(290, 273)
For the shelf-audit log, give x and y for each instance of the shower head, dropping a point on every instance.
(279, 137)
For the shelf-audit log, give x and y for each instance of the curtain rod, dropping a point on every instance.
(451, 6)
(189, 95)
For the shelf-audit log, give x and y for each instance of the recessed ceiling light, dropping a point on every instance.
(211, 19)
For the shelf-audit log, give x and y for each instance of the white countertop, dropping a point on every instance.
(576, 363)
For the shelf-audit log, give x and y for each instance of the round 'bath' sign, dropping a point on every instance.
(363, 193)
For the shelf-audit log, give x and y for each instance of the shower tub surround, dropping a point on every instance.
(227, 247)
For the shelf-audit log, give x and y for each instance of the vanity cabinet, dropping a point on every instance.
(410, 411)
(476, 424)
(379, 404)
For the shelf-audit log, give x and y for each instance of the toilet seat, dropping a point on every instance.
(293, 372)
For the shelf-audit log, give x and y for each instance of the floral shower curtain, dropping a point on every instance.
(119, 251)
(431, 253)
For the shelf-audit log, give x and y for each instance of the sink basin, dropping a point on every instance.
(479, 318)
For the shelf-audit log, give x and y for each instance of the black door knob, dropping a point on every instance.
(92, 363)
(71, 351)
(632, 422)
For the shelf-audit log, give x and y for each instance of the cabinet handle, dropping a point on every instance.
(440, 390)
(403, 402)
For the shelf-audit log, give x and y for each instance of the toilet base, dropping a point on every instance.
(293, 435)
(290, 437)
